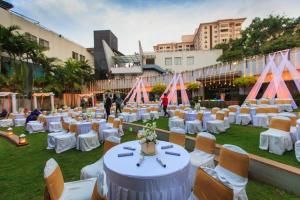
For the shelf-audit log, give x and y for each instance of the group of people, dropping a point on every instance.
(108, 103)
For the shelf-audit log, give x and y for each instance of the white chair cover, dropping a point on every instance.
(35, 126)
(76, 190)
(64, 142)
(145, 117)
(297, 150)
(193, 127)
(176, 122)
(154, 115)
(243, 119)
(88, 141)
(261, 120)
(55, 127)
(20, 121)
(51, 139)
(93, 170)
(6, 122)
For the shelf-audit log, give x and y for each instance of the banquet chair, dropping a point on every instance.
(294, 130)
(231, 174)
(133, 115)
(204, 152)
(90, 140)
(66, 141)
(8, 121)
(146, 116)
(55, 126)
(51, 136)
(244, 116)
(56, 188)
(261, 118)
(194, 126)
(214, 111)
(251, 101)
(284, 104)
(93, 170)
(272, 111)
(233, 110)
(226, 117)
(277, 138)
(264, 101)
(177, 138)
(154, 113)
(125, 113)
(36, 126)
(176, 123)
(218, 125)
(113, 131)
(297, 150)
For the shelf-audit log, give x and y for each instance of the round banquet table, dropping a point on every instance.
(127, 181)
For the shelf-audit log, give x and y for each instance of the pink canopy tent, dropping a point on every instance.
(171, 90)
(277, 85)
(137, 92)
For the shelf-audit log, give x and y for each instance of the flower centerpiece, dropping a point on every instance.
(198, 107)
(147, 139)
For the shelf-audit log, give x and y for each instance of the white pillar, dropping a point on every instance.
(52, 102)
(14, 102)
(34, 102)
(93, 103)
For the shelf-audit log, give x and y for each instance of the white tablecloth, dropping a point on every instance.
(52, 118)
(18, 115)
(190, 116)
(150, 180)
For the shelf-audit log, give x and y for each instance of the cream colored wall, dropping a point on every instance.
(202, 58)
(60, 47)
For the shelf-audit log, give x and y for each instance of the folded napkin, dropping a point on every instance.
(172, 153)
(129, 148)
(167, 146)
(125, 154)
(161, 163)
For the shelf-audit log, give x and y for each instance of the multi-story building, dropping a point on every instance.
(55, 44)
(206, 36)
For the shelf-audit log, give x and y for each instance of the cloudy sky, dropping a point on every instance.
(150, 21)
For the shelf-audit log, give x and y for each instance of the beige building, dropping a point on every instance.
(206, 36)
(55, 44)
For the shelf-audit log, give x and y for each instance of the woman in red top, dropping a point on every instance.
(164, 103)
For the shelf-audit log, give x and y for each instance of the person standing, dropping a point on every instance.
(107, 105)
(118, 102)
(164, 103)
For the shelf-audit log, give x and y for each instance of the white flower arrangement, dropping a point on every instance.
(148, 134)
(197, 106)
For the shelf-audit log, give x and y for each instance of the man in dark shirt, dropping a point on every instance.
(118, 102)
(107, 105)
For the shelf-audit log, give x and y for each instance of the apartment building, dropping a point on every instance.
(55, 44)
(206, 36)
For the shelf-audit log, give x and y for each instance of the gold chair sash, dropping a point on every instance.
(116, 123)
(200, 116)
(280, 124)
(252, 101)
(209, 188)
(232, 109)
(108, 145)
(214, 110)
(177, 138)
(95, 127)
(245, 110)
(73, 129)
(260, 110)
(55, 184)
(220, 116)
(205, 144)
(110, 119)
(95, 194)
(226, 113)
(264, 101)
(181, 115)
(236, 162)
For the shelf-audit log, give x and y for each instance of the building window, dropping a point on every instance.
(82, 58)
(44, 43)
(205, 46)
(150, 61)
(168, 61)
(190, 60)
(224, 30)
(205, 27)
(74, 55)
(177, 60)
(31, 37)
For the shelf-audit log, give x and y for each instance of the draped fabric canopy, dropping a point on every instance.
(45, 94)
(277, 85)
(171, 90)
(137, 92)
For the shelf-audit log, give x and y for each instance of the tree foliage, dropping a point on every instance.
(158, 88)
(244, 81)
(263, 36)
(193, 86)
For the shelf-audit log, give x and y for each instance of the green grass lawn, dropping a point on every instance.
(246, 137)
(21, 169)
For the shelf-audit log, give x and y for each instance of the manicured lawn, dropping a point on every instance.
(21, 169)
(247, 137)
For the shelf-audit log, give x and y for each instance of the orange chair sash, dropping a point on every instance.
(220, 116)
(280, 124)
(177, 138)
(55, 184)
(235, 162)
(108, 145)
(205, 144)
(245, 110)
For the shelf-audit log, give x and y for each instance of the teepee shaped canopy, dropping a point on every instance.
(277, 85)
(171, 90)
(137, 92)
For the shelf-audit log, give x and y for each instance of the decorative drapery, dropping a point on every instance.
(137, 92)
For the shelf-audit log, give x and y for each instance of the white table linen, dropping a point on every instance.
(193, 127)
(150, 180)
(297, 150)
(35, 126)
(6, 122)
(83, 127)
(19, 121)
(261, 120)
